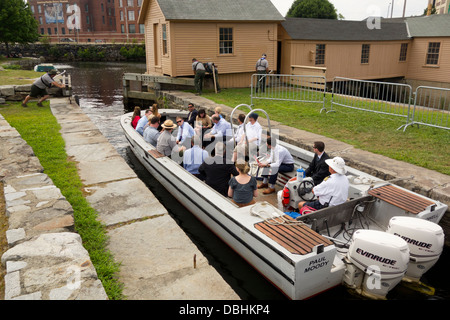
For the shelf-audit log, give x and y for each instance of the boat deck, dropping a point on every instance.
(295, 237)
(402, 199)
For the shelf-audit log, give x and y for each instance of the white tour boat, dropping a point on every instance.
(382, 235)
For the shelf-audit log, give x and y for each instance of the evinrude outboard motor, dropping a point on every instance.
(425, 240)
(295, 191)
(377, 262)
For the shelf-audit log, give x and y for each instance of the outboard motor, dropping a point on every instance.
(425, 240)
(377, 263)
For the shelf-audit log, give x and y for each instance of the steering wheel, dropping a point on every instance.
(305, 187)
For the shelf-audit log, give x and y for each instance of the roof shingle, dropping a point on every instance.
(220, 10)
(343, 30)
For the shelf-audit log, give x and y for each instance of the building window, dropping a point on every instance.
(121, 15)
(365, 53)
(433, 53)
(164, 38)
(132, 28)
(130, 3)
(320, 54)
(142, 28)
(122, 28)
(226, 40)
(120, 4)
(403, 52)
(131, 15)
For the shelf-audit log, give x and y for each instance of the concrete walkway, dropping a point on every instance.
(156, 256)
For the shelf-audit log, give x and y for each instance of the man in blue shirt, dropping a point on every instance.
(185, 133)
(221, 128)
(194, 157)
(142, 122)
(151, 133)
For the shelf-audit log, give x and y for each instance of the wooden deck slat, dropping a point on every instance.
(295, 238)
(401, 199)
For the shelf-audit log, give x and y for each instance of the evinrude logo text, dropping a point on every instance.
(375, 257)
(415, 242)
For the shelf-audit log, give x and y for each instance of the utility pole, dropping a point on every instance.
(404, 9)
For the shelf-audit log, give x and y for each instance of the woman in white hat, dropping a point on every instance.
(166, 142)
(334, 189)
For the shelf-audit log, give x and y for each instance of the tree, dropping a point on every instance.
(17, 24)
(319, 9)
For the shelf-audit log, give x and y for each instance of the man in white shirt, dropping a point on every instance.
(333, 190)
(253, 129)
(280, 161)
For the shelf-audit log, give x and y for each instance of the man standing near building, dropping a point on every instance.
(199, 72)
(262, 68)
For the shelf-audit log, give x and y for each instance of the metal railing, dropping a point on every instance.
(431, 108)
(380, 97)
(299, 88)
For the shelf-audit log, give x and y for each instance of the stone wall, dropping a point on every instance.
(19, 92)
(78, 52)
(45, 257)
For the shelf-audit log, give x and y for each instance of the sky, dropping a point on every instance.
(361, 9)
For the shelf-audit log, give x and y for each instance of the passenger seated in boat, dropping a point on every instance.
(217, 171)
(221, 129)
(166, 144)
(135, 117)
(243, 188)
(333, 190)
(253, 129)
(151, 134)
(194, 157)
(318, 169)
(140, 127)
(184, 134)
(202, 122)
(280, 160)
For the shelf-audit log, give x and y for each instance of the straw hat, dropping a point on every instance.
(168, 124)
(337, 164)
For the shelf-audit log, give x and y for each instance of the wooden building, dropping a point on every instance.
(231, 33)
(429, 56)
(344, 48)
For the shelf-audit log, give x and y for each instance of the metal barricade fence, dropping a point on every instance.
(380, 97)
(431, 108)
(298, 88)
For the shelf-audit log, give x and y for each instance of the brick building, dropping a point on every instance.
(88, 20)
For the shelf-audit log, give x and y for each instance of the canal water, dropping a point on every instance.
(99, 89)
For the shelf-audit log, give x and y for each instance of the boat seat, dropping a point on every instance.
(296, 238)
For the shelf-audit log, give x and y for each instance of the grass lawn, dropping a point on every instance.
(423, 146)
(40, 129)
(16, 76)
